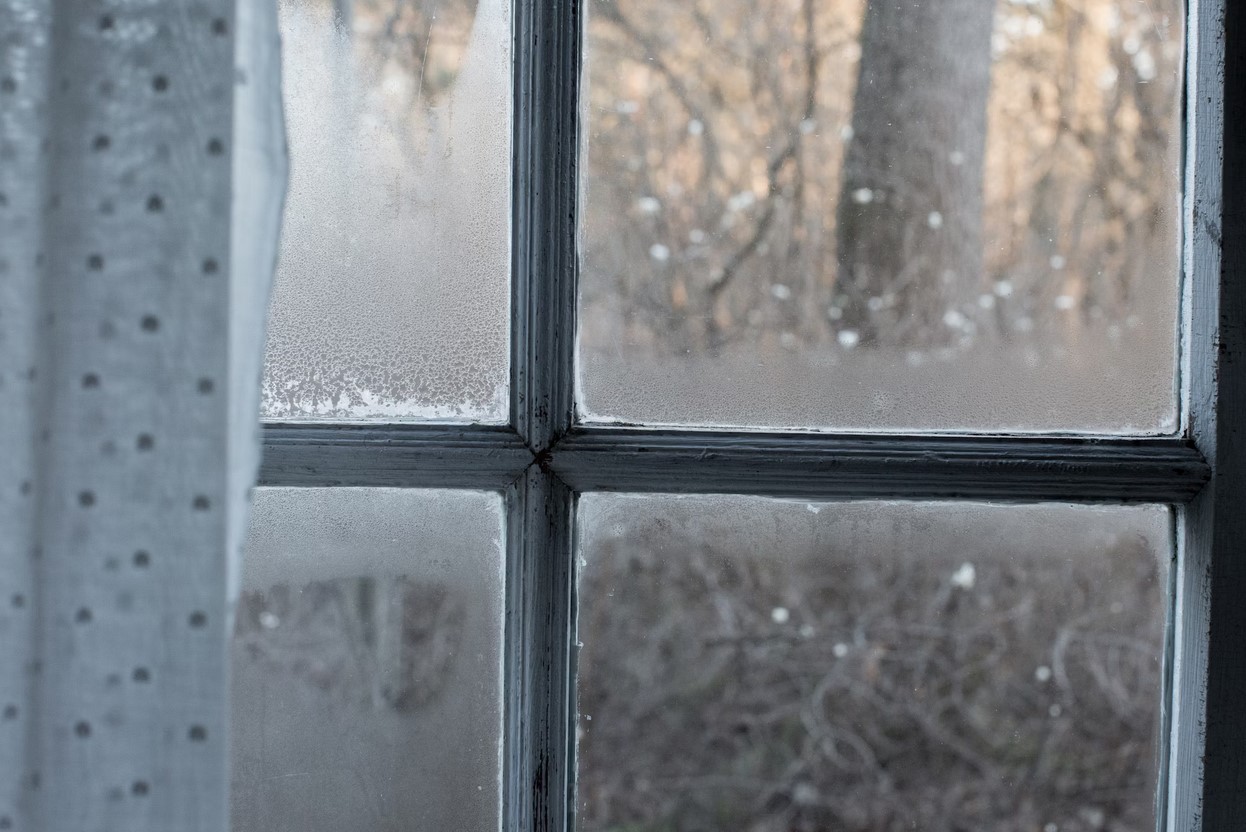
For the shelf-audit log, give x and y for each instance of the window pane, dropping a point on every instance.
(895, 215)
(367, 689)
(759, 664)
(392, 289)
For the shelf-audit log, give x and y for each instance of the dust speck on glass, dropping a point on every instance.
(392, 293)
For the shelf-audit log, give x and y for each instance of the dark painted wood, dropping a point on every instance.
(544, 225)
(1211, 612)
(539, 739)
(809, 465)
(402, 456)
(538, 788)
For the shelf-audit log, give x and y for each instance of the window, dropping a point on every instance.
(418, 427)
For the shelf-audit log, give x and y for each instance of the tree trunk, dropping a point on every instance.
(344, 15)
(910, 208)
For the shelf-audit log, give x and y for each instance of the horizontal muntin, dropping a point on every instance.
(810, 465)
(393, 455)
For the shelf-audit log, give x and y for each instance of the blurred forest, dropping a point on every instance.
(766, 666)
(953, 215)
(891, 173)
(837, 171)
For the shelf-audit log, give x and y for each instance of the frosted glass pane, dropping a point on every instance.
(945, 215)
(392, 288)
(367, 666)
(758, 664)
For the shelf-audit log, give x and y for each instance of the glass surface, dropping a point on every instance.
(392, 291)
(941, 215)
(367, 680)
(758, 664)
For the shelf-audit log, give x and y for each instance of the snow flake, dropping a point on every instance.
(965, 576)
(863, 196)
(741, 201)
(1144, 65)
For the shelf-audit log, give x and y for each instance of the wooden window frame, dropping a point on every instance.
(545, 457)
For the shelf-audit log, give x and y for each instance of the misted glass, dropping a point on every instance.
(759, 664)
(392, 290)
(944, 215)
(367, 667)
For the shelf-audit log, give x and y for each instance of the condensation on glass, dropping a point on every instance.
(940, 215)
(392, 291)
(367, 664)
(759, 664)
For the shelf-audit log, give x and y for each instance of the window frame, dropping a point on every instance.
(545, 457)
